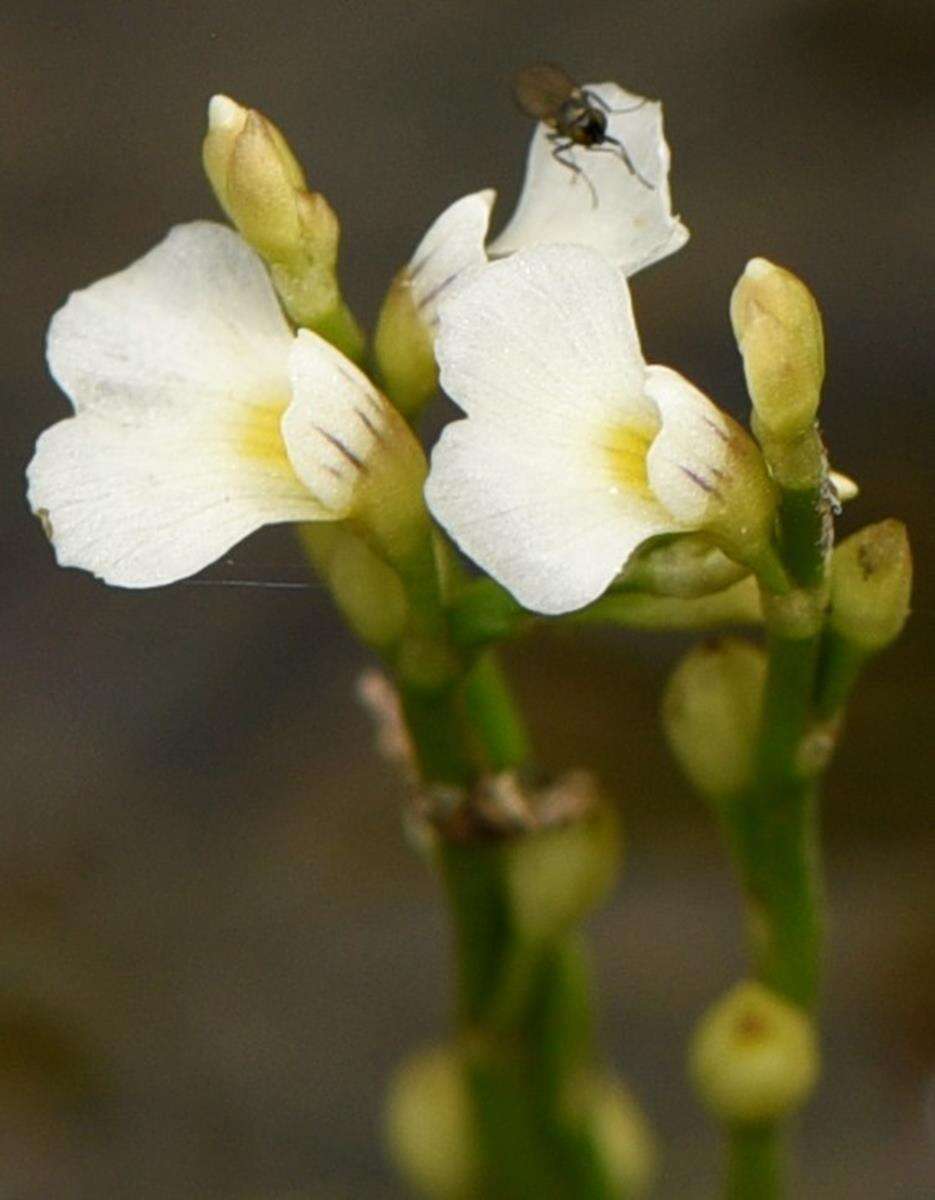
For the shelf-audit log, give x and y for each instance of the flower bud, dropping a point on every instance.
(558, 875)
(685, 565)
(403, 348)
(429, 1127)
(624, 1140)
(711, 712)
(753, 1058)
(778, 329)
(366, 589)
(262, 188)
(871, 582)
(255, 177)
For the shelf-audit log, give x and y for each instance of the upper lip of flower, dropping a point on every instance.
(633, 225)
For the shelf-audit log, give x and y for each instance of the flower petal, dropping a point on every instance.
(155, 496)
(193, 320)
(548, 521)
(545, 338)
(335, 424)
(453, 245)
(630, 223)
(686, 463)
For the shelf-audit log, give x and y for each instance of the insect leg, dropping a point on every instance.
(626, 158)
(594, 98)
(559, 153)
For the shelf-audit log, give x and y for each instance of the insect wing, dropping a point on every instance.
(541, 89)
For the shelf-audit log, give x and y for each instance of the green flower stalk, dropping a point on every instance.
(755, 732)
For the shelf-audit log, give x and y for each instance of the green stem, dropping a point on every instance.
(803, 516)
(525, 1029)
(340, 327)
(522, 1011)
(772, 827)
(840, 667)
(755, 1164)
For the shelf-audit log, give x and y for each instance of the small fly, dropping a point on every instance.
(575, 116)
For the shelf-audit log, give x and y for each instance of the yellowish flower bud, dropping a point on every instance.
(743, 509)
(685, 565)
(429, 1127)
(624, 1139)
(871, 582)
(711, 712)
(403, 347)
(366, 589)
(262, 188)
(754, 1057)
(778, 329)
(558, 875)
(254, 175)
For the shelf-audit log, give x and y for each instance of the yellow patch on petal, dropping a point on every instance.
(626, 448)
(260, 434)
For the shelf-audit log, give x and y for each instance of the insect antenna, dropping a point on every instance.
(616, 146)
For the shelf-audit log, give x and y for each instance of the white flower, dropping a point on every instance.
(604, 205)
(575, 451)
(199, 416)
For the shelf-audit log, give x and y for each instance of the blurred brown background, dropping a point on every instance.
(215, 943)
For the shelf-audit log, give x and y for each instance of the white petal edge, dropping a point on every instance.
(547, 522)
(194, 320)
(632, 224)
(688, 459)
(146, 501)
(452, 248)
(545, 340)
(335, 423)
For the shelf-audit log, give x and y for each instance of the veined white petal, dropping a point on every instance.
(545, 338)
(335, 424)
(452, 247)
(550, 521)
(632, 224)
(194, 320)
(155, 495)
(686, 463)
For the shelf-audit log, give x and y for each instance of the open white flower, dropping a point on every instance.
(199, 416)
(604, 205)
(575, 451)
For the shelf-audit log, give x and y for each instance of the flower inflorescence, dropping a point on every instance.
(202, 412)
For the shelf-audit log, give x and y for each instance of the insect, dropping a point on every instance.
(575, 116)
